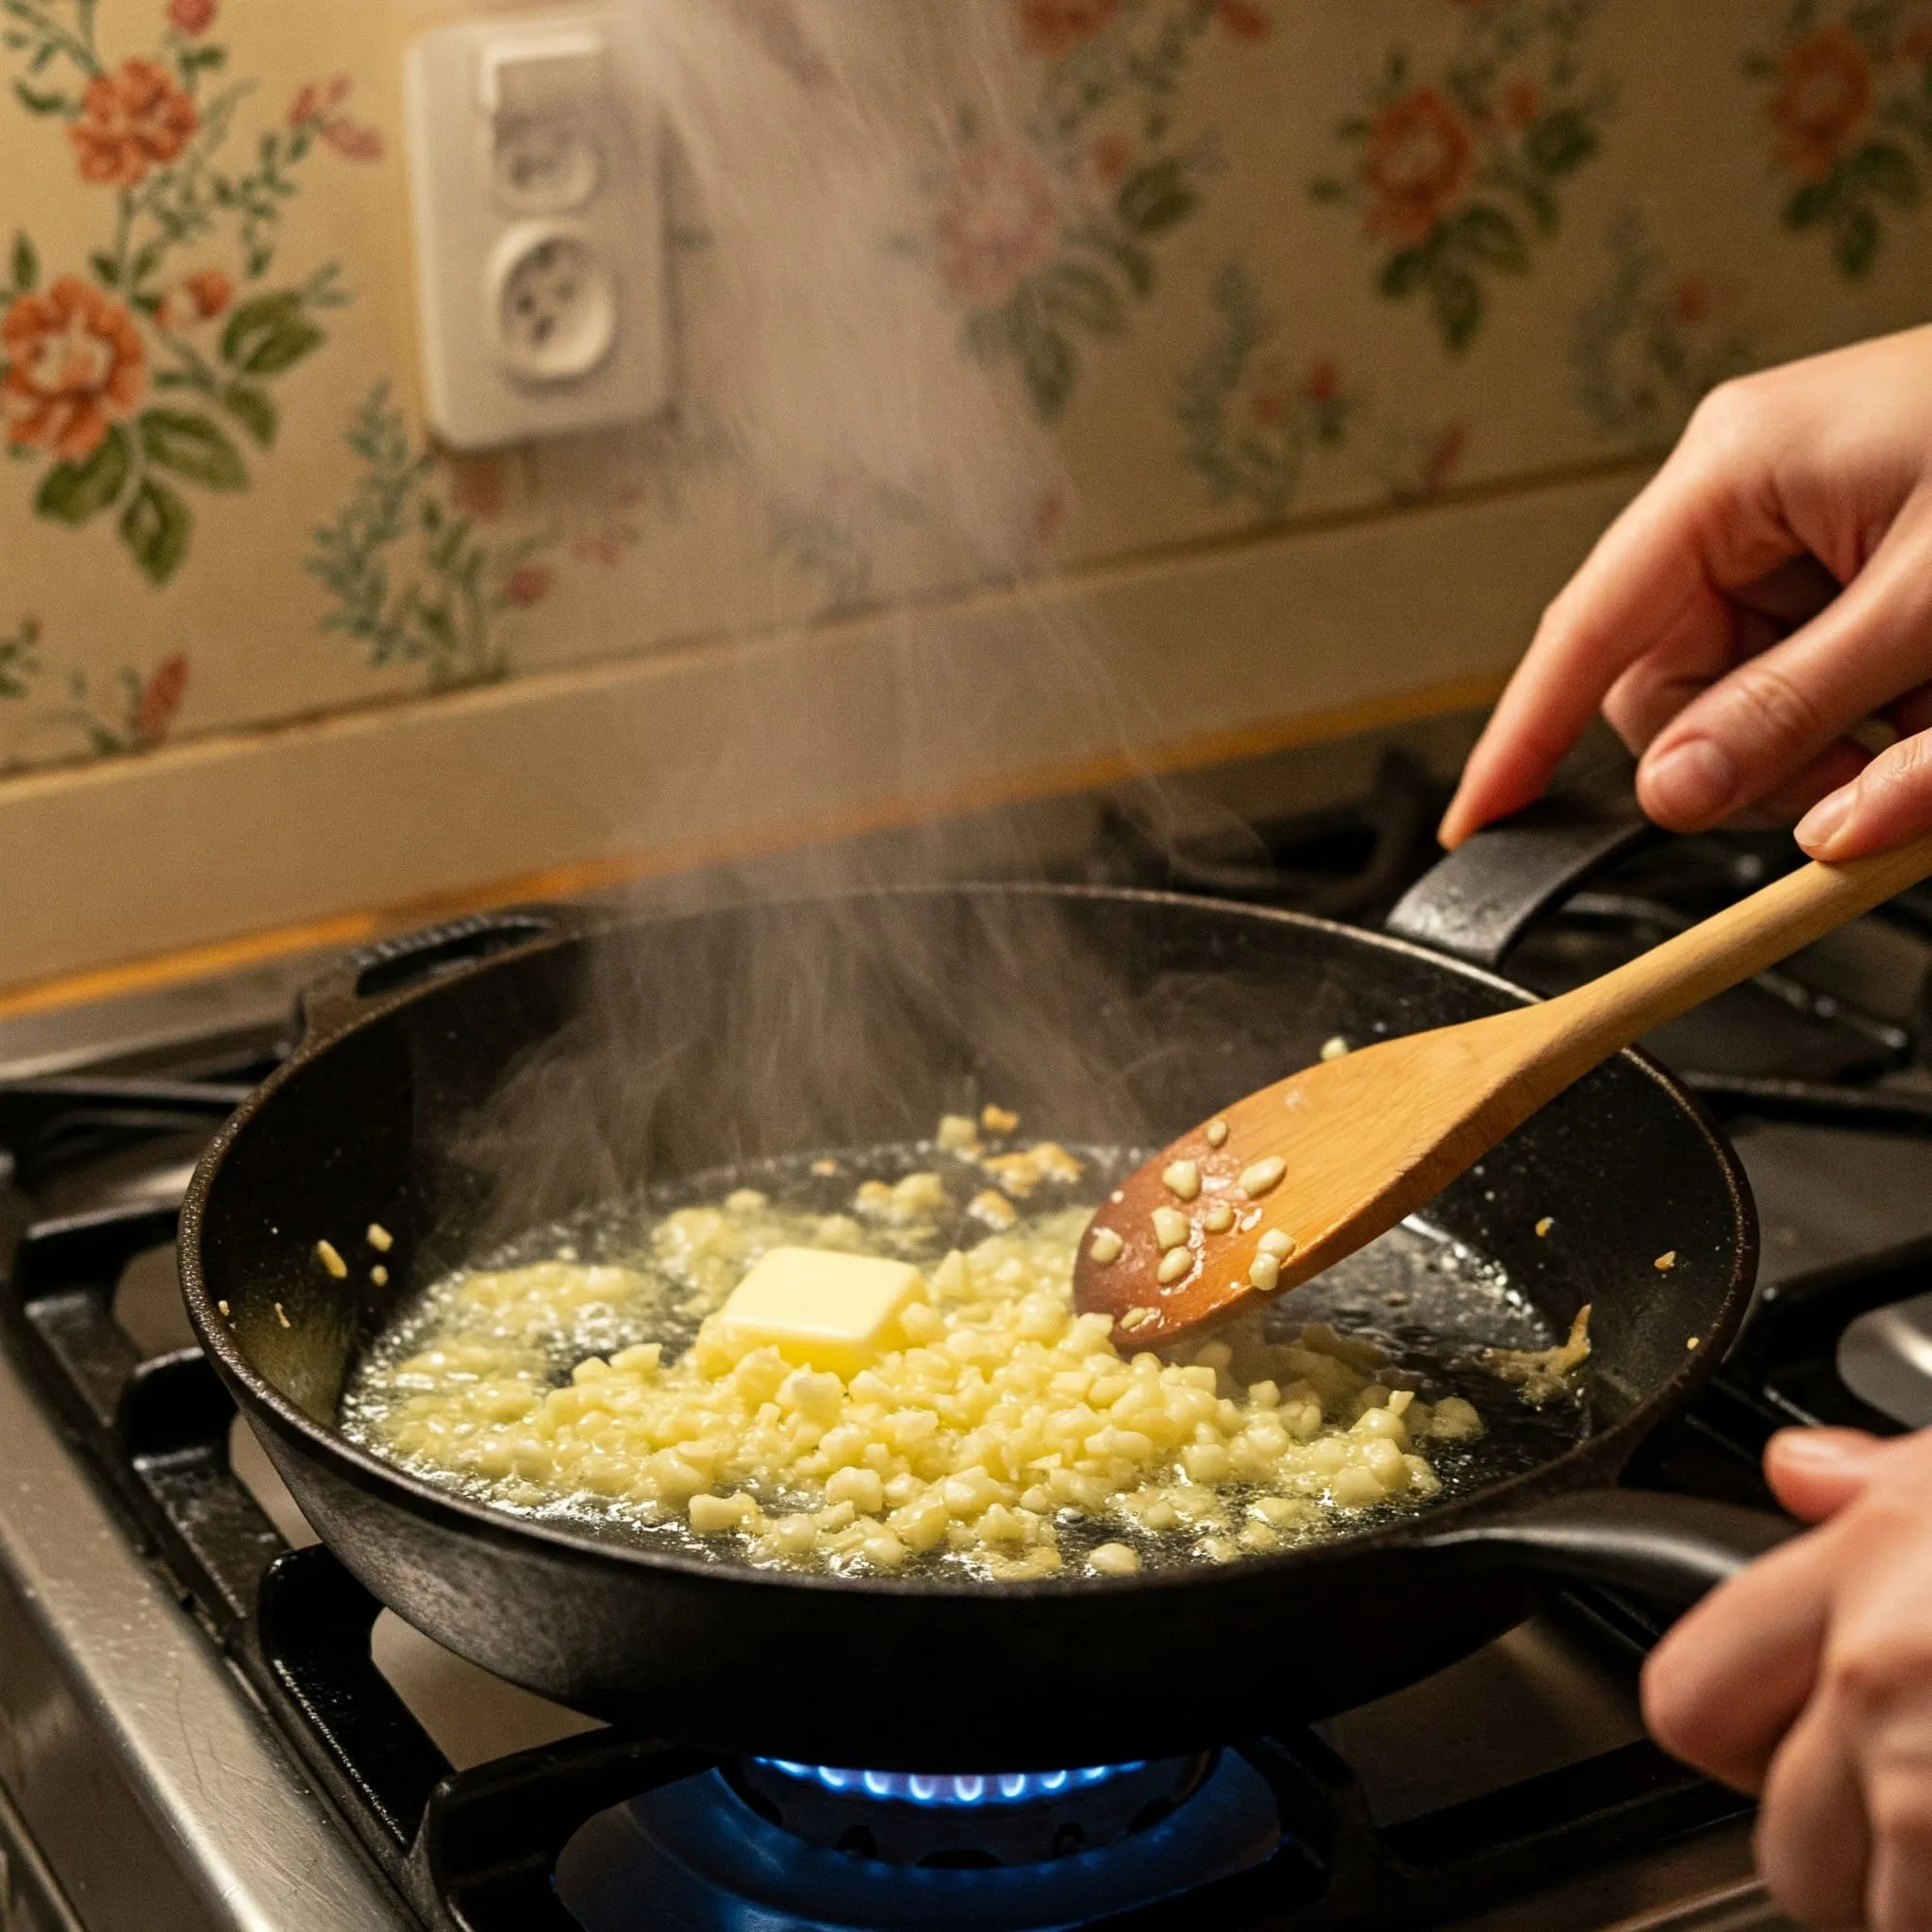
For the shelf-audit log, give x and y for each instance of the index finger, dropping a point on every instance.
(1709, 523)
(1731, 1676)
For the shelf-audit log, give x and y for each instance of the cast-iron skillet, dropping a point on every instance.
(492, 1073)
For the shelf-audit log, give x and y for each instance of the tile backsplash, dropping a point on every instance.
(1221, 270)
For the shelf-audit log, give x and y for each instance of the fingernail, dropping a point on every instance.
(1818, 830)
(1696, 781)
(1824, 1449)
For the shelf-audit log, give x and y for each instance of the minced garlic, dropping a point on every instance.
(996, 1426)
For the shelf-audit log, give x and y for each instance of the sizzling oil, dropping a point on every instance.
(1429, 1304)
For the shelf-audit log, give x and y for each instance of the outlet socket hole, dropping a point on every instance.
(556, 309)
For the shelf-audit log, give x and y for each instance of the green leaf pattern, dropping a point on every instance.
(407, 576)
(1254, 425)
(1650, 341)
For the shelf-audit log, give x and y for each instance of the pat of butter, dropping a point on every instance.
(821, 1309)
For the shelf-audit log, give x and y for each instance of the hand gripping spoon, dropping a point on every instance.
(1283, 1184)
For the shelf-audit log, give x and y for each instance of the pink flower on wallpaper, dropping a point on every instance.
(190, 16)
(606, 550)
(1522, 102)
(529, 584)
(131, 120)
(997, 224)
(1110, 155)
(1823, 95)
(1418, 164)
(1056, 27)
(319, 105)
(477, 482)
(160, 698)
(1698, 299)
(1322, 383)
(356, 140)
(1443, 455)
(1244, 18)
(1048, 521)
(75, 367)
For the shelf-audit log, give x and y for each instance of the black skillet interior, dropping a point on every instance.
(470, 1108)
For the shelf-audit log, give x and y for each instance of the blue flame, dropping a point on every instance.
(959, 1789)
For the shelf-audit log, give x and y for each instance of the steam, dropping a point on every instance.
(819, 348)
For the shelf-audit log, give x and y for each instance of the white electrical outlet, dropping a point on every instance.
(536, 175)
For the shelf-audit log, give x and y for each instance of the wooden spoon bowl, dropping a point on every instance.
(1283, 1184)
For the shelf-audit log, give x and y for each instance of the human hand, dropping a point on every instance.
(1709, 626)
(1808, 1680)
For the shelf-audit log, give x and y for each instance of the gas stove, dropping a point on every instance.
(206, 1723)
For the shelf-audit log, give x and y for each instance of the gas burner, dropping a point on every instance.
(761, 1845)
(966, 1819)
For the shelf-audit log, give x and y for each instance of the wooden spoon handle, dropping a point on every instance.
(1596, 1020)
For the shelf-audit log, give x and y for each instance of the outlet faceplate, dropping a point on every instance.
(537, 182)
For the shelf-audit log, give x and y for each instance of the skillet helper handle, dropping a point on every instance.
(1673, 1548)
(1477, 903)
(360, 979)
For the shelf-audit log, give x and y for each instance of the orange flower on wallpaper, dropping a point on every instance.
(997, 224)
(74, 365)
(1823, 95)
(160, 698)
(529, 584)
(1056, 27)
(1418, 164)
(1243, 20)
(1522, 101)
(198, 298)
(130, 122)
(190, 16)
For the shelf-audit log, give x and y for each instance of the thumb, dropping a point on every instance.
(1815, 1472)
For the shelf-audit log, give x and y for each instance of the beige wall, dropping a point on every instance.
(1299, 327)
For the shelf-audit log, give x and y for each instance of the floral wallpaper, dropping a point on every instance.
(1046, 246)
(137, 376)
(1849, 99)
(1242, 265)
(1461, 164)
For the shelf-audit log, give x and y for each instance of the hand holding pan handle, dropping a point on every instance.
(1669, 1547)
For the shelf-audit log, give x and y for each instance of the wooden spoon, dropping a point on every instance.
(1326, 1161)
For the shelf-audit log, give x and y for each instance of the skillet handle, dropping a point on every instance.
(364, 977)
(1475, 904)
(1673, 1548)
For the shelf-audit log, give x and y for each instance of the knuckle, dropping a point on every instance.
(1731, 414)
(1907, 765)
(1779, 712)
(1873, 1674)
(1899, 1810)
